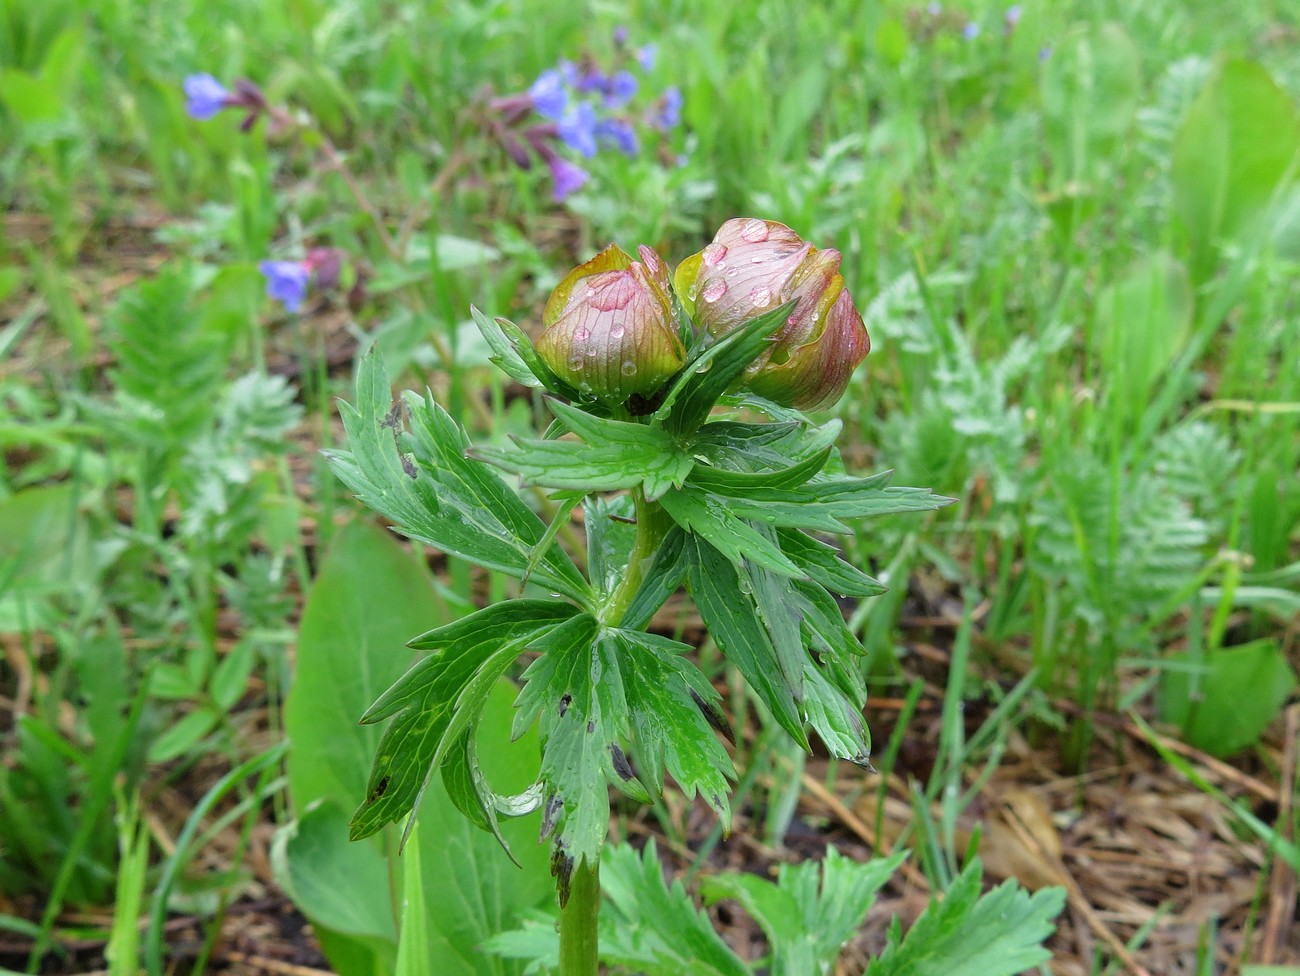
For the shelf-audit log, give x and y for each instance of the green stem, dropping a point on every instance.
(579, 954)
(651, 527)
(579, 948)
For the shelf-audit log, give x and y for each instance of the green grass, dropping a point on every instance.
(1079, 272)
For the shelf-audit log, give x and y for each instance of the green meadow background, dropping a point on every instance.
(1075, 240)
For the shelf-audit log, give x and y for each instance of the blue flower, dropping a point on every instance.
(971, 31)
(1014, 13)
(286, 281)
(620, 133)
(205, 96)
(669, 115)
(567, 177)
(578, 129)
(622, 87)
(548, 94)
(620, 35)
(645, 56)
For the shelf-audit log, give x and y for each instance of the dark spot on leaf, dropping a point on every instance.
(591, 726)
(622, 518)
(379, 790)
(621, 765)
(394, 419)
(714, 717)
(565, 701)
(550, 815)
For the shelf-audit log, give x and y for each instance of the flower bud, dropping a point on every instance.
(753, 266)
(609, 327)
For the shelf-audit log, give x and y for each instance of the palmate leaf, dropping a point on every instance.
(822, 564)
(714, 582)
(766, 623)
(438, 699)
(422, 481)
(612, 454)
(673, 711)
(742, 484)
(965, 935)
(594, 688)
(812, 910)
(716, 521)
(646, 926)
(577, 691)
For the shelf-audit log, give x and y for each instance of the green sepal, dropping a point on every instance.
(514, 354)
(707, 375)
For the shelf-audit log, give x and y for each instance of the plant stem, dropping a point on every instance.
(579, 948)
(578, 941)
(651, 527)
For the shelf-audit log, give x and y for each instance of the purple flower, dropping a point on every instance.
(548, 94)
(578, 129)
(1044, 52)
(620, 35)
(1013, 14)
(569, 71)
(645, 56)
(567, 177)
(971, 31)
(286, 281)
(620, 133)
(205, 96)
(590, 79)
(669, 115)
(622, 88)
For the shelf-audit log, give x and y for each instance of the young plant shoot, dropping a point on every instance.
(677, 429)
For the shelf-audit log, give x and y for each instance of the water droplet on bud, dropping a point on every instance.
(575, 362)
(629, 367)
(713, 254)
(581, 335)
(755, 232)
(714, 291)
(616, 331)
(760, 296)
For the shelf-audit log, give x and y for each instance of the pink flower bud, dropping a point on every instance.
(609, 326)
(753, 266)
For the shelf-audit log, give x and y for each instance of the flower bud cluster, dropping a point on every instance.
(610, 328)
